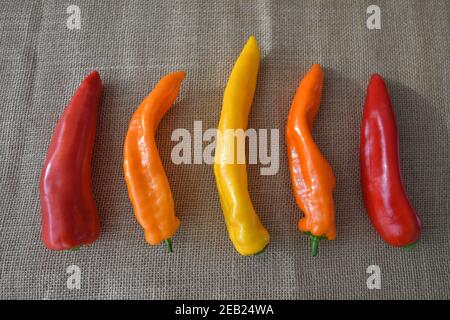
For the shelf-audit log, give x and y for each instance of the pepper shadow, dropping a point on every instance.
(108, 181)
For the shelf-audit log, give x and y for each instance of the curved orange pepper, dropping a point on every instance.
(311, 176)
(148, 186)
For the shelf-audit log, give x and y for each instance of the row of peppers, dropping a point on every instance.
(69, 214)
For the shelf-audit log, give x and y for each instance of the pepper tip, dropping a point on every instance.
(93, 79)
(252, 41)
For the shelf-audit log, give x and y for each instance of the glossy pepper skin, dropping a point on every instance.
(385, 198)
(245, 229)
(148, 186)
(311, 176)
(69, 214)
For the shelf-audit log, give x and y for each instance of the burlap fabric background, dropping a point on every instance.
(134, 43)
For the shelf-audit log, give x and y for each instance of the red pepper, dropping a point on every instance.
(385, 198)
(69, 214)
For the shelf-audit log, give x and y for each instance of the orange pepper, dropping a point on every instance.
(311, 176)
(148, 186)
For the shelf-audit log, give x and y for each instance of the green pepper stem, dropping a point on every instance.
(168, 244)
(75, 248)
(410, 247)
(262, 251)
(314, 244)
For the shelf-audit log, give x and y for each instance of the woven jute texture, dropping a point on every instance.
(133, 44)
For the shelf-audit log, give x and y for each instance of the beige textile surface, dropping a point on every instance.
(132, 44)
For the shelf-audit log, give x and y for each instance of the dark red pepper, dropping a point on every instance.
(69, 213)
(385, 198)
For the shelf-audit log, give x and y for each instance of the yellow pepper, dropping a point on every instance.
(245, 229)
